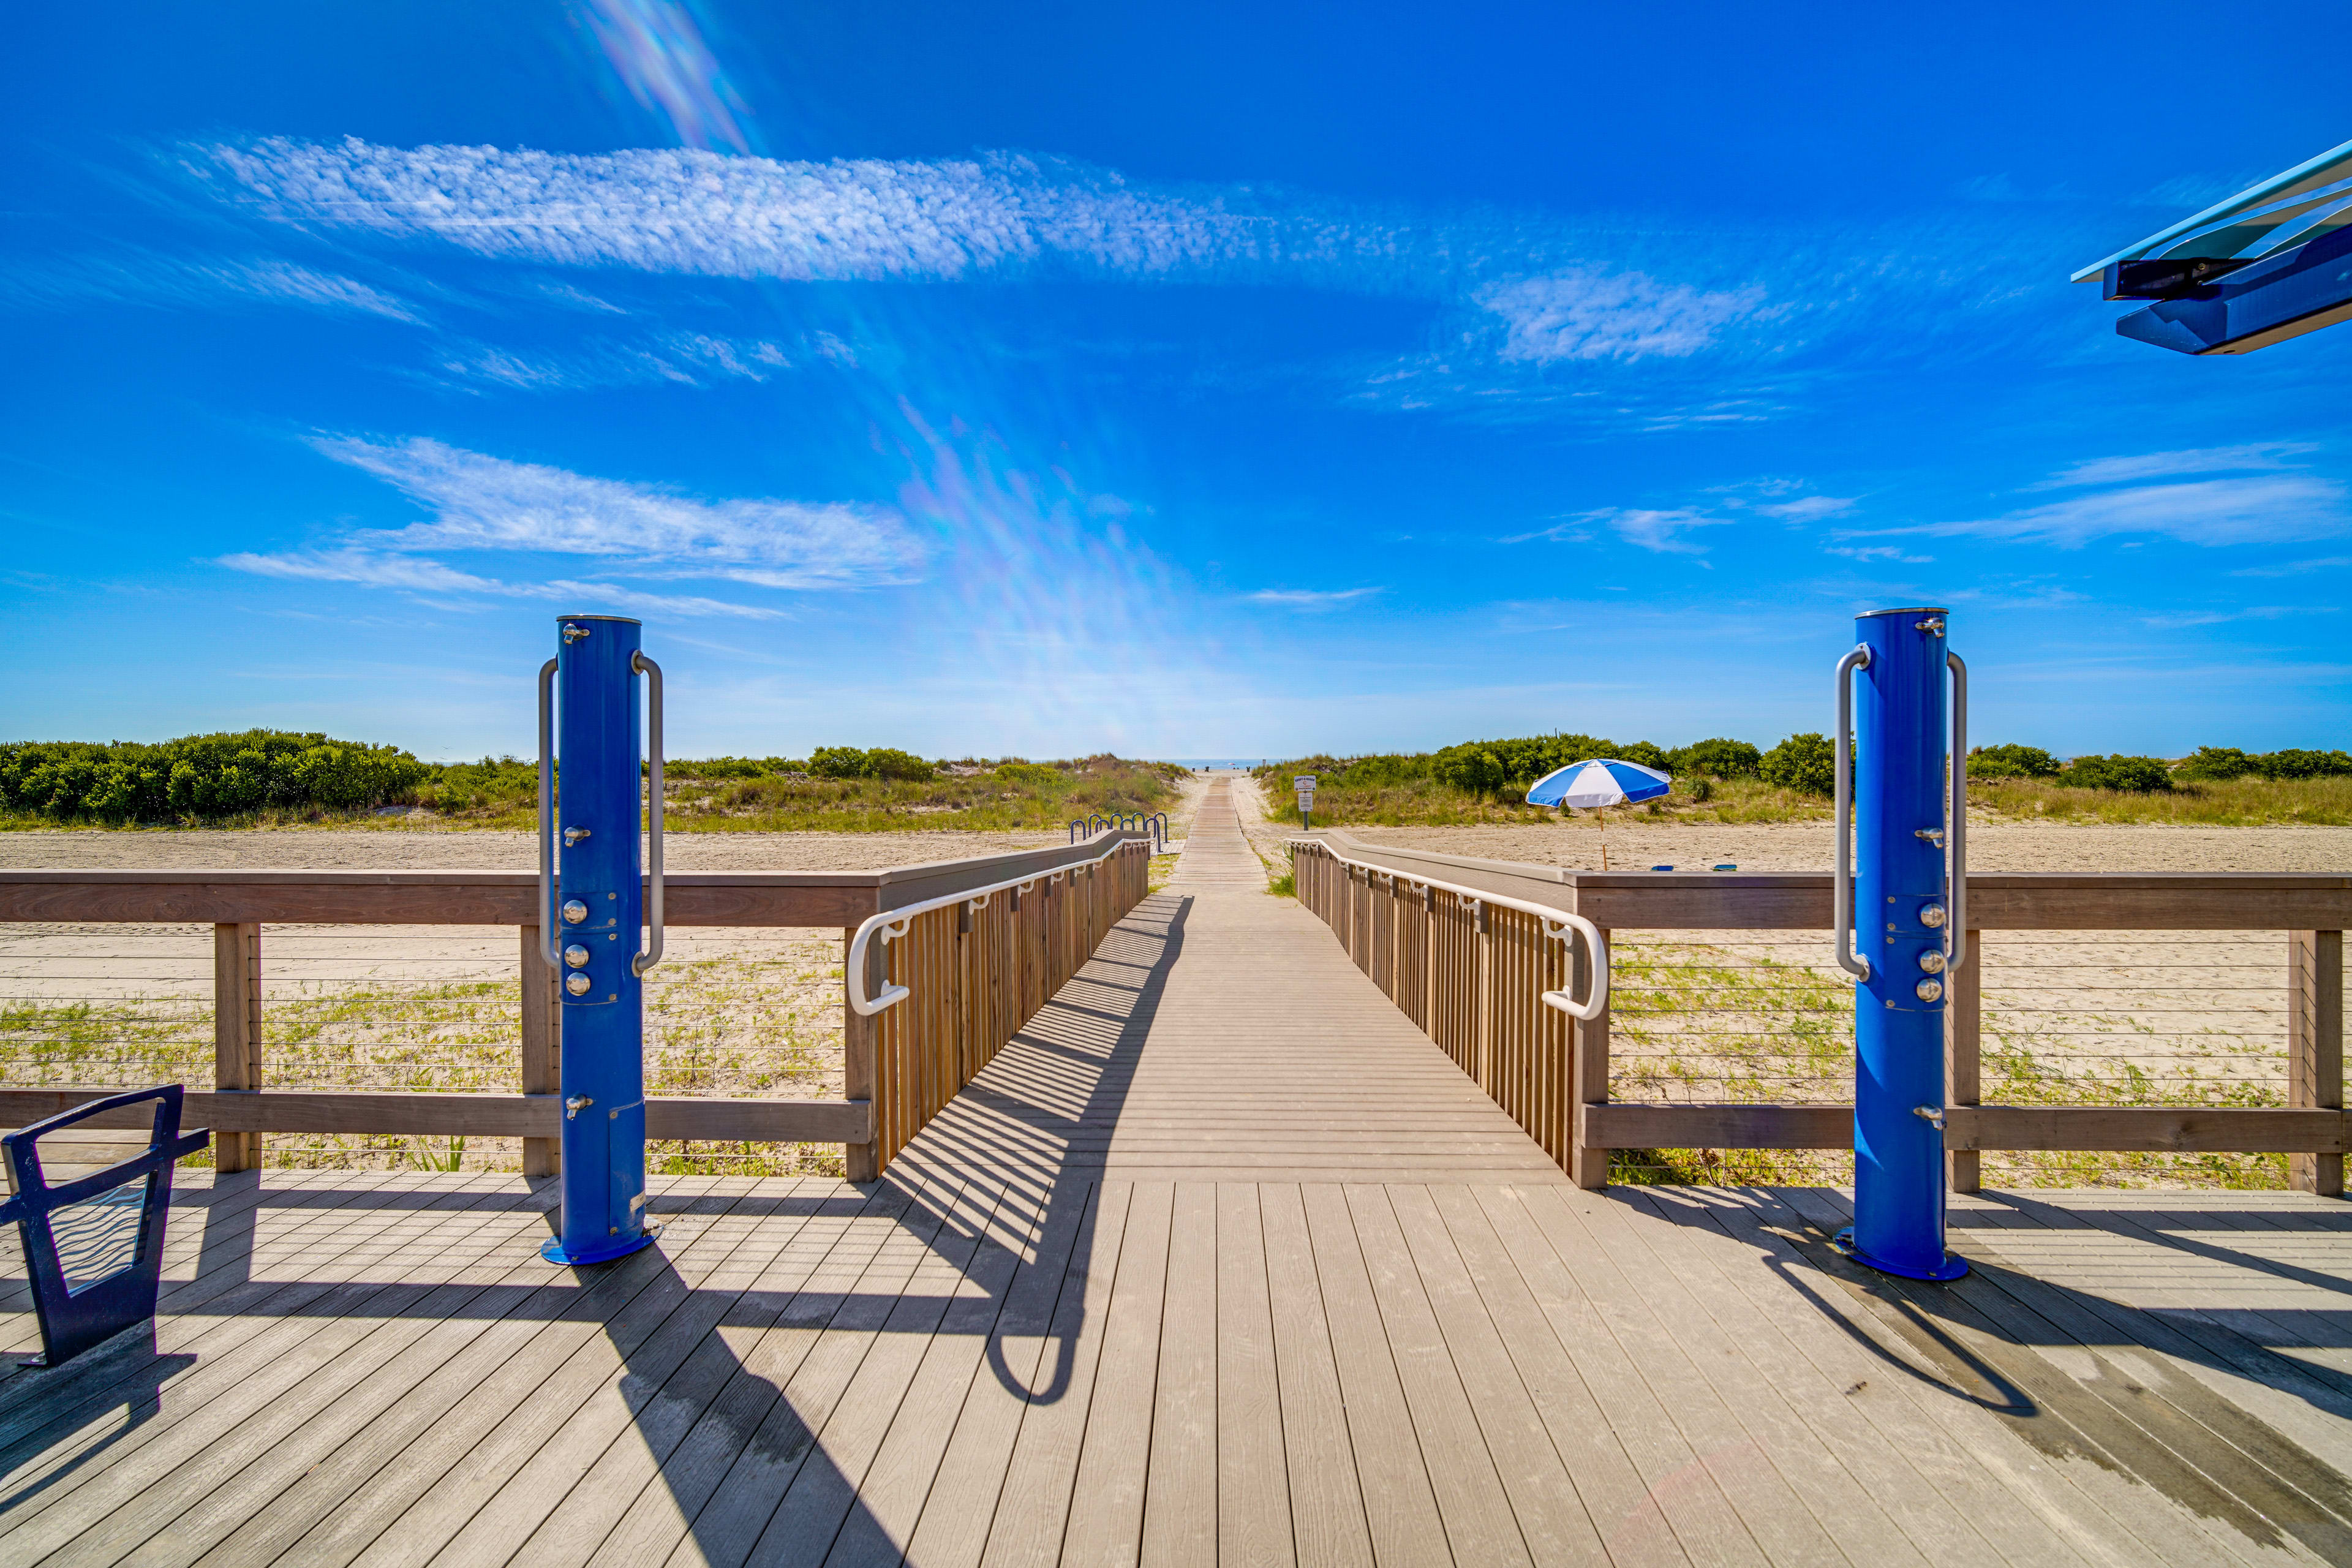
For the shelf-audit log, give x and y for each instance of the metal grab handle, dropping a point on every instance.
(1592, 1006)
(1956, 877)
(1842, 883)
(548, 944)
(652, 954)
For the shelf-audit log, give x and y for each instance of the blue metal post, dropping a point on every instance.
(1900, 908)
(600, 895)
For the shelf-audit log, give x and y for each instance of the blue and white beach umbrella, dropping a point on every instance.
(1601, 781)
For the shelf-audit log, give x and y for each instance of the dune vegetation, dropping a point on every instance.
(265, 778)
(1729, 781)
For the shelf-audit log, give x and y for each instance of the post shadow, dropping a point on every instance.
(735, 1424)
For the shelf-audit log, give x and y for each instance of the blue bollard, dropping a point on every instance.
(1902, 929)
(592, 936)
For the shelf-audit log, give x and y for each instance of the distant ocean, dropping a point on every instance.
(1242, 763)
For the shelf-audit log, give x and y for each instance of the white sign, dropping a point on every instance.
(1305, 784)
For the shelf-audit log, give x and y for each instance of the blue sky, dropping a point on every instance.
(1253, 381)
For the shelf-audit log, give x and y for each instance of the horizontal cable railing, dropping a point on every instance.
(2127, 1017)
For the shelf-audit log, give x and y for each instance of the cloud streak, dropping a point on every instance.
(485, 504)
(145, 278)
(481, 502)
(374, 570)
(1536, 281)
(1311, 599)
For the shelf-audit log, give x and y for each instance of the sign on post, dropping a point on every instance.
(1305, 784)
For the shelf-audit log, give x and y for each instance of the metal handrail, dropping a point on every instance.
(548, 942)
(653, 951)
(1557, 924)
(1842, 813)
(1956, 877)
(893, 923)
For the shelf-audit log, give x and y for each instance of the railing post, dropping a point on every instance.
(1429, 962)
(1963, 1074)
(236, 1033)
(1589, 1166)
(1485, 925)
(860, 1162)
(542, 1055)
(2315, 1012)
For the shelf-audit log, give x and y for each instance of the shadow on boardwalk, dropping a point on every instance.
(743, 1469)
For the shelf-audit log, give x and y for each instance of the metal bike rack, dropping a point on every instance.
(94, 1246)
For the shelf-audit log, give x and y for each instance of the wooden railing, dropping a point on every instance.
(893, 1077)
(977, 974)
(1471, 983)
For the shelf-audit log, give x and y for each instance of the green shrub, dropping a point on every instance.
(838, 762)
(905, 767)
(202, 776)
(1033, 774)
(1806, 763)
(2302, 764)
(2214, 763)
(2142, 775)
(2011, 762)
(881, 763)
(1719, 758)
(1507, 767)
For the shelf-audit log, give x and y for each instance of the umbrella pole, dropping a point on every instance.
(1602, 813)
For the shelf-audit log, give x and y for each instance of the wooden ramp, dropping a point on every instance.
(1220, 1262)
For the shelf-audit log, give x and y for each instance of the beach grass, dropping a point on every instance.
(2236, 803)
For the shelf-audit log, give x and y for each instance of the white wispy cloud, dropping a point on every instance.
(1806, 509)
(1309, 598)
(1552, 289)
(2265, 455)
(1878, 552)
(482, 503)
(376, 570)
(2247, 509)
(146, 279)
(681, 359)
(1661, 530)
(1582, 314)
(2295, 568)
(2180, 619)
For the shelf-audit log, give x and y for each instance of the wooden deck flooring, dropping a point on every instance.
(1220, 1262)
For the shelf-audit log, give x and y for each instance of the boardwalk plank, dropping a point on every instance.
(1180, 1513)
(1328, 1522)
(1400, 1505)
(1106, 1508)
(1034, 1509)
(953, 1530)
(1471, 1497)
(1252, 1498)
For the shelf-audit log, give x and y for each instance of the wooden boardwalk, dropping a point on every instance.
(1221, 1261)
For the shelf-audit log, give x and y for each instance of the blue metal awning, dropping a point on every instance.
(2271, 263)
(2309, 200)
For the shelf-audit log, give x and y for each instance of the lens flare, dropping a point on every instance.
(660, 56)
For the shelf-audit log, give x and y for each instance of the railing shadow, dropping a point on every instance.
(744, 1467)
(2077, 1375)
